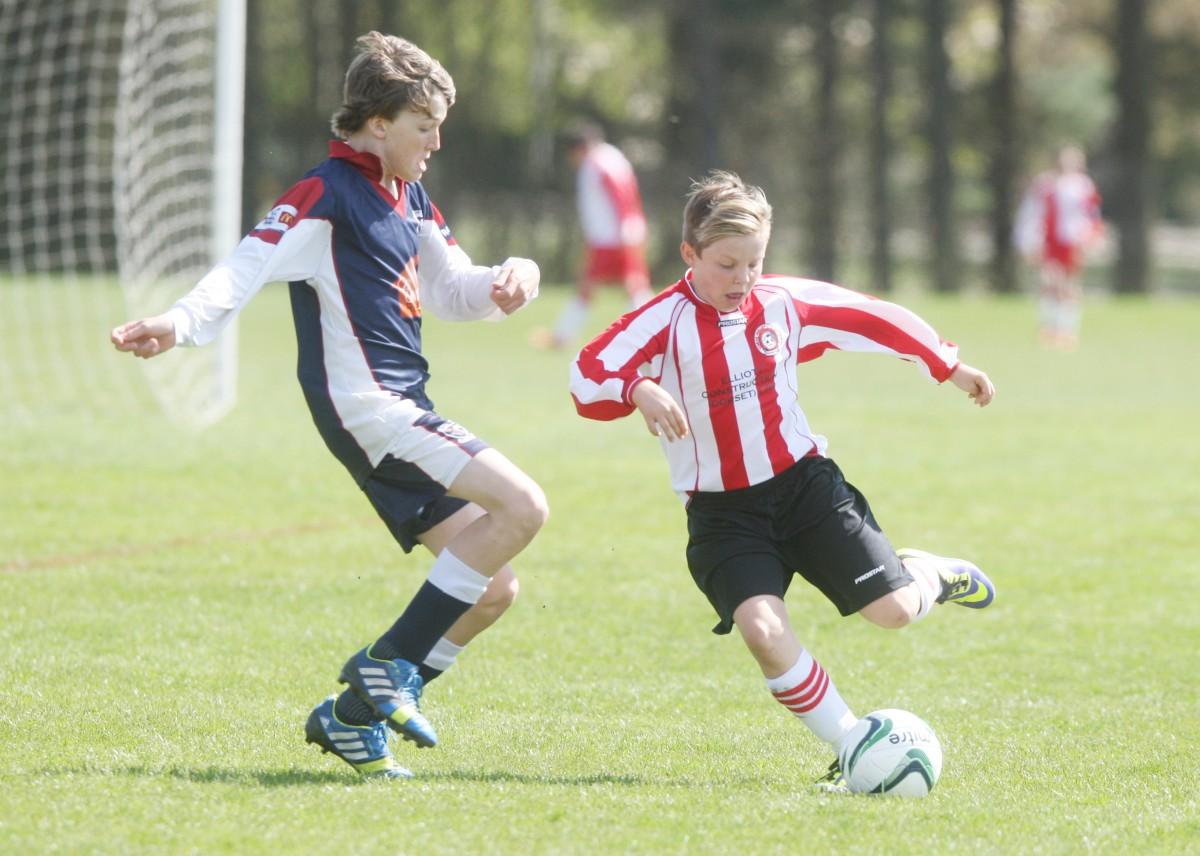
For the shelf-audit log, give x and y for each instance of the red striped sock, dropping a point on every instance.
(807, 691)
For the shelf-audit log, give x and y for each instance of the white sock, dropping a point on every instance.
(443, 655)
(929, 583)
(457, 579)
(1067, 318)
(807, 691)
(571, 320)
(1048, 314)
(640, 297)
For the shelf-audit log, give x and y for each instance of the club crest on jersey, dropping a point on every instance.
(454, 431)
(278, 219)
(768, 339)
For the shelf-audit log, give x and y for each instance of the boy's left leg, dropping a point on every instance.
(936, 580)
(795, 679)
(956, 580)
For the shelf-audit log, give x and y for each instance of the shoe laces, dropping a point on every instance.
(960, 584)
(376, 738)
(409, 685)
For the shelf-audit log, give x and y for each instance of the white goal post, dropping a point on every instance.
(122, 186)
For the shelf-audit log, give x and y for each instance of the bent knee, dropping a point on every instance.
(762, 635)
(528, 508)
(501, 592)
(889, 612)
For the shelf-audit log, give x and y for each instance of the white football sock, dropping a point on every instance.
(457, 579)
(571, 320)
(443, 655)
(807, 691)
(929, 583)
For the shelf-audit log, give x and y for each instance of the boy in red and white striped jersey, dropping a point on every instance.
(710, 363)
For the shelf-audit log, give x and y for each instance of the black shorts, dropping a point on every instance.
(408, 500)
(807, 520)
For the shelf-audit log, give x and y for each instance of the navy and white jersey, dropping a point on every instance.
(363, 267)
(734, 373)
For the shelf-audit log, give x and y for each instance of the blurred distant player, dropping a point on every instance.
(1058, 220)
(614, 230)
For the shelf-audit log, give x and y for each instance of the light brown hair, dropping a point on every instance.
(721, 205)
(389, 74)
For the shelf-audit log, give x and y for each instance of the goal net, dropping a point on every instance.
(121, 181)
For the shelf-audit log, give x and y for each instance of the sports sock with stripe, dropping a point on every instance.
(808, 692)
(450, 590)
(440, 659)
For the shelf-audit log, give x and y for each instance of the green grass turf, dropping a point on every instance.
(172, 604)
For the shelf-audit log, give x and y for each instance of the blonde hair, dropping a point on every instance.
(389, 74)
(721, 205)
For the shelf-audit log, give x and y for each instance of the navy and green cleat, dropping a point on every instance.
(834, 780)
(392, 688)
(363, 747)
(962, 582)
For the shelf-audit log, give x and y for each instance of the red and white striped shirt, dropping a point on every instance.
(733, 373)
(610, 205)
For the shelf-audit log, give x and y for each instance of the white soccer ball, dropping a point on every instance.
(891, 752)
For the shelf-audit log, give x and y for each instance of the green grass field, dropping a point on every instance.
(173, 603)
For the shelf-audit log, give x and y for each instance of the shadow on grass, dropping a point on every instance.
(300, 778)
(217, 775)
(529, 779)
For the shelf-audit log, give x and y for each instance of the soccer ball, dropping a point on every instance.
(891, 752)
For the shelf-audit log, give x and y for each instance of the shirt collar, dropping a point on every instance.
(704, 305)
(365, 162)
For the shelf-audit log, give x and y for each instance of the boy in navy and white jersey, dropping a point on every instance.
(367, 254)
(710, 363)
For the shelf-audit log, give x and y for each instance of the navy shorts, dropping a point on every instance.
(807, 520)
(408, 500)
(408, 487)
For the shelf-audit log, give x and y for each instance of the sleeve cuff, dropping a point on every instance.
(182, 322)
(628, 394)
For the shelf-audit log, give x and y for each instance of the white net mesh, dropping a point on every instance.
(108, 109)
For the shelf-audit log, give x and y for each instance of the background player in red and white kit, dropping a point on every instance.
(366, 253)
(1058, 220)
(710, 363)
(614, 230)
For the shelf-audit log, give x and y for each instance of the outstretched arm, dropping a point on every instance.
(975, 383)
(147, 337)
(285, 245)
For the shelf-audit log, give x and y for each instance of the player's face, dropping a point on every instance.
(725, 271)
(410, 138)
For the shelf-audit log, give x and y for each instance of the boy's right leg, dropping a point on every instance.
(385, 677)
(795, 679)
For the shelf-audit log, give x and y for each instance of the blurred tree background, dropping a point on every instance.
(888, 133)
(894, 137)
